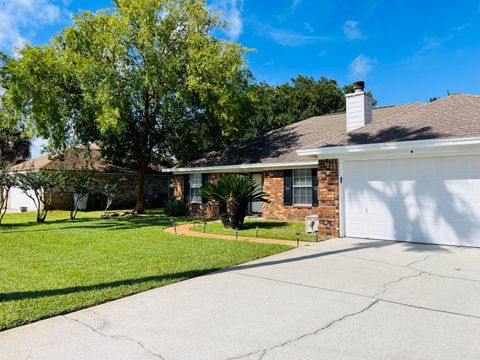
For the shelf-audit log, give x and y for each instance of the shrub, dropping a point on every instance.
(233, 194)
(175, 207)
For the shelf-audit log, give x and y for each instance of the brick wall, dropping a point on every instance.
(208, 210)
(273, 185)
(125, 198)
(328, 199)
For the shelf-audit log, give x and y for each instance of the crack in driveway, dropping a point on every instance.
(263, 352)
(409, 266)
(116, 337)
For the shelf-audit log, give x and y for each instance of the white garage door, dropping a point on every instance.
(433, 200)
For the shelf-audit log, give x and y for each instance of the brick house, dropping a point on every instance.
(103, 172)
(408, 172)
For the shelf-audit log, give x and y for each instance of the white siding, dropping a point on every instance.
(359, 110)
(18, 199)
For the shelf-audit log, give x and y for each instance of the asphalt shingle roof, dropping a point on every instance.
(456, 115)
(73, 160)
(280, 146)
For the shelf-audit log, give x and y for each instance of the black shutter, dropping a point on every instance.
(314, 187)
(204, 183)
(186, 188)
(287, 188)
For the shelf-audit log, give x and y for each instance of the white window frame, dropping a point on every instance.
(195, 183)
(306, 176)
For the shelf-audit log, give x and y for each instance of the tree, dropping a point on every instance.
(14, 146)
(299, 99)
(39, 185)
(78, 184)
(233, 194)
(7, 181)
(127, 78)
(14, 143)
(111, 189)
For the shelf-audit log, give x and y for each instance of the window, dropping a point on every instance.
(195, 186)
(171, 188)
(302, 187)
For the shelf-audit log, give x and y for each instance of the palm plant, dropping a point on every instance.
(233, 194)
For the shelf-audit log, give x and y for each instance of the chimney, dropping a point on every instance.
(359, 107)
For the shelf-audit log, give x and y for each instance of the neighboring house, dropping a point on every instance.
(409, 172)
(103, 171)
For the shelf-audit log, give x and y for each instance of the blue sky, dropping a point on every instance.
(405, 50)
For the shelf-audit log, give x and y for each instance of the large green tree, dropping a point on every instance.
(128, 78)
(301, 98)
(14, 145)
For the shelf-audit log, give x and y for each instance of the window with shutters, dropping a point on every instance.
(195, 186)
(302, 187)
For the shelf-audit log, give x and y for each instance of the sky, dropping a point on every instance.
(405, 51)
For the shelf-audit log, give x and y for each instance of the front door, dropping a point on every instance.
(256, 206)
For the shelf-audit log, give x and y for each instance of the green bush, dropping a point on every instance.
(175, 207)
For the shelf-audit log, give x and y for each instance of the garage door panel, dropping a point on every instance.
(434, 200)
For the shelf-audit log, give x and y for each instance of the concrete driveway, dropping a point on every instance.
(340, 299)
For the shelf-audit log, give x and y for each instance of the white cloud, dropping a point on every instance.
(352, 31)
(287, 37)
(295, 4)
(431, 43)
(361, 66)
(231, 11)
(19, 19)
(309, 27)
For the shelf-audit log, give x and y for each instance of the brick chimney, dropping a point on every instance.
(359, 107)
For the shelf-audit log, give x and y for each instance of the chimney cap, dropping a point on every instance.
(358, 86)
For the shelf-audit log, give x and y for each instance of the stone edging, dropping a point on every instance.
(185, 230)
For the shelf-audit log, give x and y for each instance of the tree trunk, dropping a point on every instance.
(145, 156)
(234, 210)
(140, 205)
(222, 206)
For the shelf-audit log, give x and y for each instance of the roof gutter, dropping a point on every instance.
(432, 145)
(242, 167)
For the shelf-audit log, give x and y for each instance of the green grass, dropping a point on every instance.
(285, 230)
(61, 266)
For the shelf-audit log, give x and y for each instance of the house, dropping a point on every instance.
(408, 172)
(103, 172)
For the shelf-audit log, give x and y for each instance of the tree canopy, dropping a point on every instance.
(128, 78)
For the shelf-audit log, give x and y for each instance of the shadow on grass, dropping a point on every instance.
(117, 223)
(263, 224)
(23, 295)
(375, 244)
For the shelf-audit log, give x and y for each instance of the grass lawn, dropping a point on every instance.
(61, 266)
(266, 229)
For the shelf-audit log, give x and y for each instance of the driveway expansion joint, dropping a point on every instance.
(115, 337)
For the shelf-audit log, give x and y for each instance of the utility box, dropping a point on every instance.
(311, 224)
